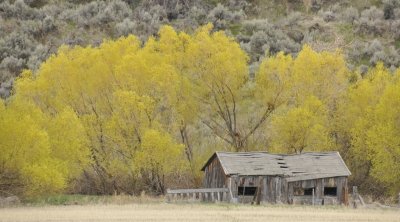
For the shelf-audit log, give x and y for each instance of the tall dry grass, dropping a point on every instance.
(194, 212)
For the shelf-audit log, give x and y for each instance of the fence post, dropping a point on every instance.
(244, 191)
(355, 194)
(399, 200)
(346, 196)
(313, 196)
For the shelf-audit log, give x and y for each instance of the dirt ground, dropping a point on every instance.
(194, 212)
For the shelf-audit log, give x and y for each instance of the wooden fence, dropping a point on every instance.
(206, 194)
(357, 199)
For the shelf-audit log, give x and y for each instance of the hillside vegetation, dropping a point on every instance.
(366, 30)
(111, 112)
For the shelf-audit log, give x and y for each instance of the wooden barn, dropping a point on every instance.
(307, 178)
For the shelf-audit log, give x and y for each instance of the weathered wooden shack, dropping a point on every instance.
(307, 178)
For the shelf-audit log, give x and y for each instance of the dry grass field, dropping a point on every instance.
(194, 212)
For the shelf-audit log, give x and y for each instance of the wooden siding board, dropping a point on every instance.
(214, 175)
(275, 189)
(264, 195)
(319, 184)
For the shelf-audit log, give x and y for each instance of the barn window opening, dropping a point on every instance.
(303, 192)
(308, 191)
(247, 191)
(298, 191)
(330, 191)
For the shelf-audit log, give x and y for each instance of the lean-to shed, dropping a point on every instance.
(307, 178)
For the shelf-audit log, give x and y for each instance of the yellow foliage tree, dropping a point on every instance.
(116, 92)
(27, 166)
(301, 128)
(304, 92)
(119, 117)
(383, 141)
(274, 79)
(158, 157)
(320, 74)
(357, 127)
(282, 79)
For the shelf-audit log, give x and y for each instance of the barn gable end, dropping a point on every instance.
(214, 174)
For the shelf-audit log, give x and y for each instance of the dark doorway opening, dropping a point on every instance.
(247, 191)
(330, 191)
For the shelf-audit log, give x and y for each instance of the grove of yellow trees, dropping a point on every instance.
(126, 117)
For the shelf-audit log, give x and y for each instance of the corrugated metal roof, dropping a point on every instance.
(296, 167)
